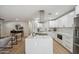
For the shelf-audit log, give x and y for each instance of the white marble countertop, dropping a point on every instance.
(39, 44)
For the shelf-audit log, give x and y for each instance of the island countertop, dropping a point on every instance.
(39, 45)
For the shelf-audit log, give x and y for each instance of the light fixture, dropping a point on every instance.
(56, 13)
(17, 19)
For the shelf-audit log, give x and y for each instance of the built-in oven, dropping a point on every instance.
(59, 36)
(76, 35)
(76, 40)
(76, 48)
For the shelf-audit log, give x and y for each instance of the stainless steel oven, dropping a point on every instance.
(59, 36)
(76, 35)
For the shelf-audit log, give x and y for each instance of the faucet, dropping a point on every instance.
(33, 34)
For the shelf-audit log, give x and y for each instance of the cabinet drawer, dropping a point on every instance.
(69, 48)
(68, 45)
(68, 39)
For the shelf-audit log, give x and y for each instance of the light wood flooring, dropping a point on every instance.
(17, 49)
(20, 48)
(58, 49)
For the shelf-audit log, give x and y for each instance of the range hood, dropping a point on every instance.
(42, 16)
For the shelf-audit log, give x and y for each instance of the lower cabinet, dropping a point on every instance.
(68, 46)
(68, 43)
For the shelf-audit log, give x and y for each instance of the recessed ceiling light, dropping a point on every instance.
(56, 13)
(17, 19)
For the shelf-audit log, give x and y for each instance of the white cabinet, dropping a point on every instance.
(67, 33)
(64, 21)
(51, 23)
(77, 9)
(70, 20)
(67, 20)
(56, 23)
(59, 22)
(68, 42)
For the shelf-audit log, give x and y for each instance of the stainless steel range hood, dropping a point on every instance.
(42, 16)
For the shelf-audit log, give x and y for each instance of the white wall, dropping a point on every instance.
(2, 30)
(11, 25)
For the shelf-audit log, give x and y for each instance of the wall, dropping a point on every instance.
(11, 25)
(2, 30)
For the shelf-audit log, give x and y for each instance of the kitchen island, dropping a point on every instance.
(39, 44)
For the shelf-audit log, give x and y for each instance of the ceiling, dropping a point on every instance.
(29, 12)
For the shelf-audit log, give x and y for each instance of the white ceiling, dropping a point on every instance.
(28, 12)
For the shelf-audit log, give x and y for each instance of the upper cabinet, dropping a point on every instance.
(70, 19)
(53, 24)
(56, 23)
(77, 9)
(66, 21)
(59, 22)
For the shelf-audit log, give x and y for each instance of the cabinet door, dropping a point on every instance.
(52, 24)
(56, 23)
(63, 21)
(68, 43)
(70, 20)
(77, 10)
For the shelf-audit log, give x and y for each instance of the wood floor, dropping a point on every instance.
(17, 49)
(20, 48)
(58, 49)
